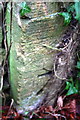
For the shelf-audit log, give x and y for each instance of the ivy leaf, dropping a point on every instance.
(23, 4)
(72, 86)
(24, 9)
(67, 17)
(68, 84)
(77, 9)
(78, 65)
(72, 90)
(71, 8)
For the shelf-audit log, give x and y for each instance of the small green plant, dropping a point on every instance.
(78, 74)
(67, 17)
(72, 11)
(77, 10)
(74, 86)
(24, 8)
(78, 65)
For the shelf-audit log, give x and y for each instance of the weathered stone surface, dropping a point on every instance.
(28, 56)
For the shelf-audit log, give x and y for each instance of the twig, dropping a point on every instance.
(1, 85)
(2, 74)
(57, 75)
(78, 56)
(34, 114)
(63, 49)
(53, 48)
(67, 45)
(53, 114)
(4, 5)
(12, 101)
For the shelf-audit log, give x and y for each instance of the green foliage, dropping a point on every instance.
(78, 65)
(1, 111)
(24, 9)
(74, 86)
(75, 8)
(78, 74)
(71, 87)
(67, 17)
(71, 8)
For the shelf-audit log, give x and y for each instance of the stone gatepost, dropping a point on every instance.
(30, 55)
